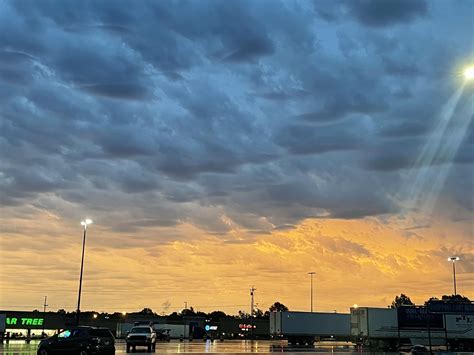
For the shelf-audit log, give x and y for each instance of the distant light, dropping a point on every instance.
(355, 306)
(124, 313)
(454, 258)
(469, 73)
(95, 315)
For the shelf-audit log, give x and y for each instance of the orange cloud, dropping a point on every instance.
(366, 261)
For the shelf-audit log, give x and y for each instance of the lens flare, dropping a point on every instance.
(469, 73)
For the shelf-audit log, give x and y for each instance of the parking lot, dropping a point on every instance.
(201, 347)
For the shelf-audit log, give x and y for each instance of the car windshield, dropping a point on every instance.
(140, 330)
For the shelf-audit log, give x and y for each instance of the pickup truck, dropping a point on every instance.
(141, 336)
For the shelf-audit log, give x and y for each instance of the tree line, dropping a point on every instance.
(404, 300)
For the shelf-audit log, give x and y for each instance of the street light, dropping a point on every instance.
(454, 259)
(311, 274)
(84, 223)
(469, 73)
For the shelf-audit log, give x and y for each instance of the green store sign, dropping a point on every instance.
(24, 321)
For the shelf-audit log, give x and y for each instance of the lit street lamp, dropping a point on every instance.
(454, 259)
(84, 223)
(311, 274)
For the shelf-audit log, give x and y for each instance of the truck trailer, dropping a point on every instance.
(303, 328)
(392, 328)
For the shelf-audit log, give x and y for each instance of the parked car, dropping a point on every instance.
(79, 340)
(141, 336)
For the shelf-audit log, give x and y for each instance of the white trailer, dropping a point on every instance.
(305, 327)
(389, 328)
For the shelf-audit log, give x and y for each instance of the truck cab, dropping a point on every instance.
(141, 335)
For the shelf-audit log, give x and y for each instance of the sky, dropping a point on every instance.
(220, 144)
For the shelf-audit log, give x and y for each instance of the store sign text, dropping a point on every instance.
(24, 321)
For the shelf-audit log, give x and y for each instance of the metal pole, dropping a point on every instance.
(44, 312)
(311, 275)
(454, 277)
(252, 290)
(80, 279)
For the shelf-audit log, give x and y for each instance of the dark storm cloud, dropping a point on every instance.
(250, 49)
(119, 91)
(306, 139)
(388, 12)
(213, 112)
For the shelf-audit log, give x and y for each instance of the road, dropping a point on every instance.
(201, 347)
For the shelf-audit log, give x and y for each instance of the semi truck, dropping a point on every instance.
(392, 328)
(304, 328)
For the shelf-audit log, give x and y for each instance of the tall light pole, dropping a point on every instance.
(84, 223)
(454, 259)
(44, 313)
(252, 293)
(311, 275)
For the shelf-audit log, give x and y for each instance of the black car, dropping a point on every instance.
(79, 340)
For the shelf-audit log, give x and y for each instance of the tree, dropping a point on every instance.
(174, 316)
(259, 314)
(402, 300)
(216, 315)
(450, 299)
(278, 307)
(432, 299)
(147, 312)
(455, 299)
(188, 312)
(243, 315)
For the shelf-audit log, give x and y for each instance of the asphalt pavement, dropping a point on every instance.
(199, 347)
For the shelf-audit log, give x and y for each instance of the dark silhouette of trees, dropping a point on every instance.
(402, 300)
(243, 315)
(259, 314)
(216, 315)
(278, 307)
(189, 312)
(147, 312)
(451, 299)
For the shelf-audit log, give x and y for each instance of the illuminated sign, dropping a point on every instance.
(210, 327)
(24, 321)
(246, 326)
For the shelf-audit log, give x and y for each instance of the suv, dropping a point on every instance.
(141, 336)
(79, 340)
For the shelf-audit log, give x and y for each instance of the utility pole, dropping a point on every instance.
(44, 312)
(252, 292)
(185, 305)
(311, 274)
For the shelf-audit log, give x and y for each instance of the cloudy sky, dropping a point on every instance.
(222, 144)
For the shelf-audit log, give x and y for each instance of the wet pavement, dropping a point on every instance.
(206, 347)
